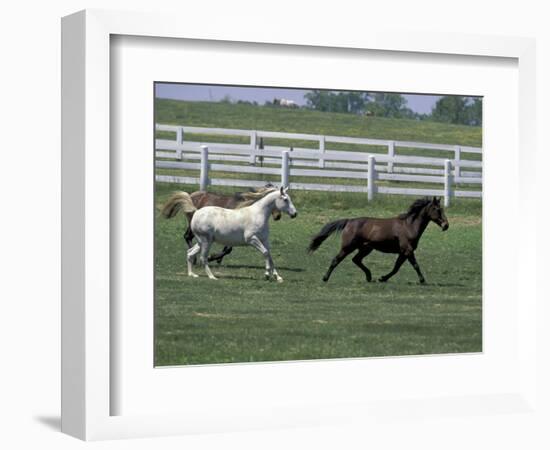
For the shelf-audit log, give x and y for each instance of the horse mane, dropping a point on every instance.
(415, 209)
(248, 198)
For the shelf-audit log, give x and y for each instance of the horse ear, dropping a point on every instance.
(285, 190)
(282, 190)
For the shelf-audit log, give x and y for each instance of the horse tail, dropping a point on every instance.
(179, 201)
(326, 231)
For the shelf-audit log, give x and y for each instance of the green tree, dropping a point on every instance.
(317, 100)
(451, 109)
(475, 112)
(458, 110)
(355, 101)
(389, 105)
(331, 101)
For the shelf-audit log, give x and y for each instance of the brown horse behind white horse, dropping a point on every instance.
(200, 199)
(248, 225)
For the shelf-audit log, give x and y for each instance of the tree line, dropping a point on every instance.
(449, 109)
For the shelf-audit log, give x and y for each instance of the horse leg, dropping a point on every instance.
(358, 258)
(263, 248)
(205, 248)
(269, 263)
(412, 260)
(344, 251)
(190, 258)
(188, 236)
(219, 256)
(273, 270)
(400, 260)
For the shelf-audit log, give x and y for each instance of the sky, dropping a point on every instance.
(419, 103)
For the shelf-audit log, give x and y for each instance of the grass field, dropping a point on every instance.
(243, 116)
(242, 318)
(249, 117)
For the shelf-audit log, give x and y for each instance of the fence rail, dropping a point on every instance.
(290, 162)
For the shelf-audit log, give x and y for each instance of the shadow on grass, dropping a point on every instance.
(427, 284)
(220, 275)
(442, 284)
(223, 276)
(245, 266)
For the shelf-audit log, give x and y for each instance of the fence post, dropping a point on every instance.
(261, 147)
(322, 151)
(253, 140)
(371, 176)
(391, 154)
(285, 169)
(179, 141)
(447, 183)
(204, 168)
(457, 161)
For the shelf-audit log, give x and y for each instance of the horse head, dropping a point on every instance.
(436, 214)
(284, 203)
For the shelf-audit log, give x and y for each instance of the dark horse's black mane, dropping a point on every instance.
(415, 209)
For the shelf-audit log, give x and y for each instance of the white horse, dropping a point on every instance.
(237, 227)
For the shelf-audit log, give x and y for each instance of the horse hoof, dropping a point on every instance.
(279, 280)
(382, 280)
(193, 275)
(212, 278)
(423, 281)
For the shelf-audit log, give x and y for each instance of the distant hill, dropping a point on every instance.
(268, 118)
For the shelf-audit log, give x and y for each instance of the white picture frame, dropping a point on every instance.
(86, 326)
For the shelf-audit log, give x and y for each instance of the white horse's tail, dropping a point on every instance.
(179, 201)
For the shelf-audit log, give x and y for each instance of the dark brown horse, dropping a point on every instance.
(395, 235)
(201, 199)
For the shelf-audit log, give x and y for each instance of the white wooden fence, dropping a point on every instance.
(287, 162)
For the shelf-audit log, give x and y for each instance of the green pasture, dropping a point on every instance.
(250, 117)
(242, 318)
